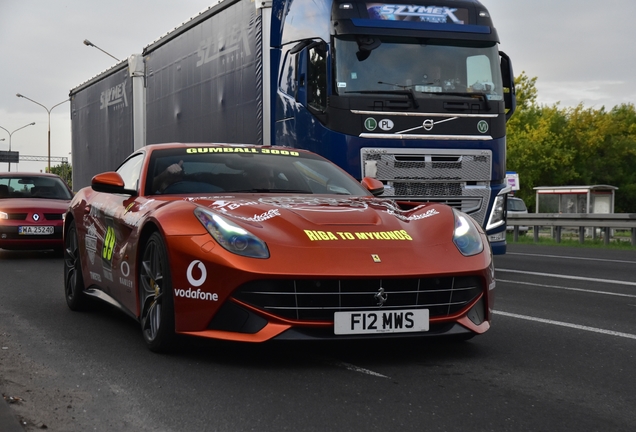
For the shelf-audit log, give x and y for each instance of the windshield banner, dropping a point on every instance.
(406, 12)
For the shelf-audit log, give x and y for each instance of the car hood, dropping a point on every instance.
(26, 204)
(346, 235)
(296, 219)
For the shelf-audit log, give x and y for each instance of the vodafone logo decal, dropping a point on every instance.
(204, 273)
(196, 278)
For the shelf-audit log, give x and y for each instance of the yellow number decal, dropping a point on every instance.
(109, 244)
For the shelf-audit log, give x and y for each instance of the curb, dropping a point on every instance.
(8, 420)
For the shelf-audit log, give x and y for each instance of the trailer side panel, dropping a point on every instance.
(101, 124)
(204, 85)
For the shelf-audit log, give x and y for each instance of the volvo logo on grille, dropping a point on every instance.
(381, 296)
(428, 124)
(36, 217)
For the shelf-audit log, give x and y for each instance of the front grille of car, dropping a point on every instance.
(47, 216)
(318, 299)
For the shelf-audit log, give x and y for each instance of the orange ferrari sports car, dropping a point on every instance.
(256, 243)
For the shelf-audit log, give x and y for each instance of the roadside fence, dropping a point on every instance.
(587, 224)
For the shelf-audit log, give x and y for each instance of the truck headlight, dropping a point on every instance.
(466, 235)
(231, 236)
(4, 215)
(497, 213)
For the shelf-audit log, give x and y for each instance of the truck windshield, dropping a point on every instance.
(424, 67)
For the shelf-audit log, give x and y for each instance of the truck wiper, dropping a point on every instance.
(409, 93)
(480, 95)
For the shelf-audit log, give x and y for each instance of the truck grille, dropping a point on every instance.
(318, 299)
(459, 178)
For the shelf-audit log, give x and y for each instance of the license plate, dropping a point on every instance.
(35, 230)
(381, 321)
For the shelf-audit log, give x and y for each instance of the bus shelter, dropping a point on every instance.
(575, 199)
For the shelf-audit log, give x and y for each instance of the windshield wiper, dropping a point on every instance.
(409, 93)
(480, 95)
(408, 88)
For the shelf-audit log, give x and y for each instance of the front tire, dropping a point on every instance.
(76, 298)
(155, 294)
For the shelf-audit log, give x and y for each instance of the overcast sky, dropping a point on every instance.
(581, 51)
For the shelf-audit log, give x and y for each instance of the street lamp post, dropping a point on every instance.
(11, 134)
(89, 43)
(48, 110)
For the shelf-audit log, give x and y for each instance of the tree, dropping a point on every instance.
(535, 148)
(65, 171)
(556, 146)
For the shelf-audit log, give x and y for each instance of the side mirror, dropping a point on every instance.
(508, 78)
(110, 182)
(373, 185)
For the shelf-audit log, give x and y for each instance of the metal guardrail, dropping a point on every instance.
(605, 221)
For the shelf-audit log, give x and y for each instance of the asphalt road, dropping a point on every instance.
(561, 356)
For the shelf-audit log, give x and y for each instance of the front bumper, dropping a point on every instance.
(11, 239)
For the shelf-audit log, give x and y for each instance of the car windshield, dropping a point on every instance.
(33, 186)
(426, 66)
(209, 170)
(516, 205)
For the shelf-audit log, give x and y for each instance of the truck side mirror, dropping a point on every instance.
(312, 90)
(508, 78)
(301, 89)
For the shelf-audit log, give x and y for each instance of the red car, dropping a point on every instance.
(253, 243)
(32, 208)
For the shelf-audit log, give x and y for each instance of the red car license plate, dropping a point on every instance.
(381, 321)
(35, 230)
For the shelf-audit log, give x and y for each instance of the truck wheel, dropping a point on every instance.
(76, 298)
(155, 295)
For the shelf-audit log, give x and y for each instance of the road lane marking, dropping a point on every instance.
(568, 288)
(564, 324)
(608, 281)
(570, 257)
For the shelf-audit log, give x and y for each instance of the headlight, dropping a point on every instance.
(231, 236)
(497, 213)
(3, 215)
(466, 236)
